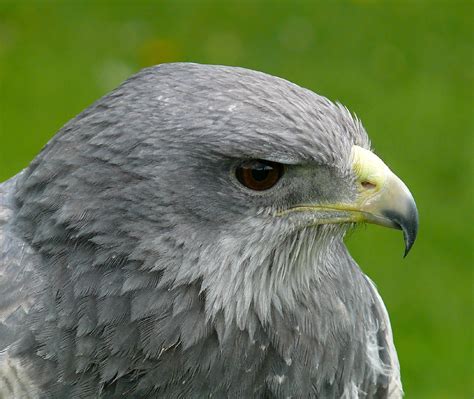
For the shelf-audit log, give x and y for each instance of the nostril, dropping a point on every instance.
(368, 185)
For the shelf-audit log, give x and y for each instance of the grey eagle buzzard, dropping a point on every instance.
(183, 238)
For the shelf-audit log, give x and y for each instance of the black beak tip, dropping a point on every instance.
(410, 230)
(409, 237)
(407, 223)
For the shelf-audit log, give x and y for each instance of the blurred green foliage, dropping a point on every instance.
(405, 68)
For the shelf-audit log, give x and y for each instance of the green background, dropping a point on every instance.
(405, 68)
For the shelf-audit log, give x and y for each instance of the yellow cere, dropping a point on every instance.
(369, 167)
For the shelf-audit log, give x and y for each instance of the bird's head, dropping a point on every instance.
(237, 180)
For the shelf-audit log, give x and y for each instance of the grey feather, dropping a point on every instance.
(132, 265)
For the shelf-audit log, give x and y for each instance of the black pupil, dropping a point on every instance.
(260, 172)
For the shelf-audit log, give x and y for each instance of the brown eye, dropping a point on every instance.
(259, 175)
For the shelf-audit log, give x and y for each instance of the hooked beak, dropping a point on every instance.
(382, 199)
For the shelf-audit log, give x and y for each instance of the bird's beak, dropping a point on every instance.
(382, 199)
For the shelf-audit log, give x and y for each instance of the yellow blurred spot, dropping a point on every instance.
(158, 51)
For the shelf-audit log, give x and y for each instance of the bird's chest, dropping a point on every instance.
(280, 363)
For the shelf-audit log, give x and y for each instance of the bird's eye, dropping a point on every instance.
(259, 175)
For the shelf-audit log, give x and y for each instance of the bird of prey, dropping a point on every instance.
(183, 238)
